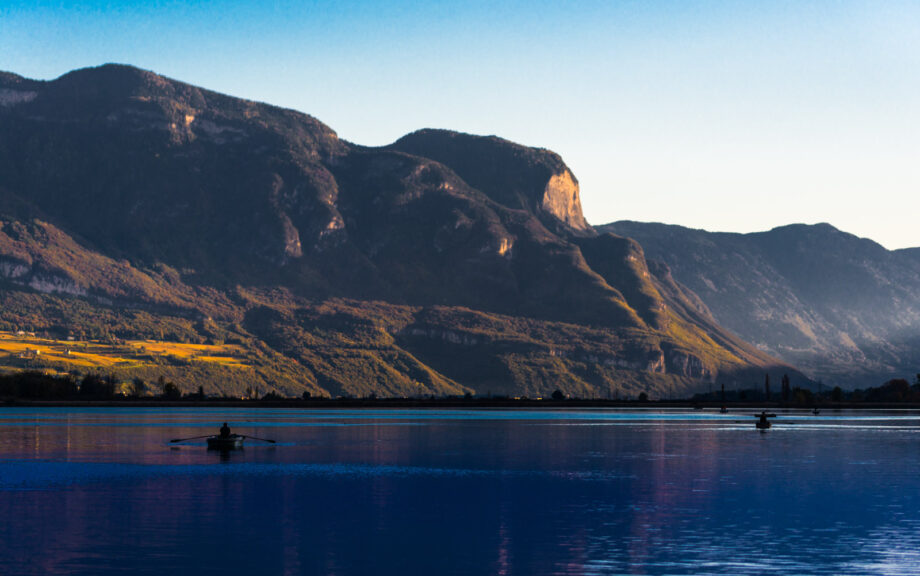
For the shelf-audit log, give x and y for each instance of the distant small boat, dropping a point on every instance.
(762, 422)
(723, 410)
(815, 411)
(232, 442)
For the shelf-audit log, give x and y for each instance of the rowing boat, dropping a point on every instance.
(231, 442)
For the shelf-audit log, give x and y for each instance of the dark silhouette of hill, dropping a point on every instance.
(442, 264)
(844, 309)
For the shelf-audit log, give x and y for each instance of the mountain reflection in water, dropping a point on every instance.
(101, 491)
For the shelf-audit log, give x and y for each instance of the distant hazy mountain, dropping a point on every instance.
(842, 308)
(137, 206)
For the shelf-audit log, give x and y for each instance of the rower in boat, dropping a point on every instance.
(225, 440)
(763, 423)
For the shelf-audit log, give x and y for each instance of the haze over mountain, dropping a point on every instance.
(137, 206)
(843, 309)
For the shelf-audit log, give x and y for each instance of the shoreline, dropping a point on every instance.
(453, 404)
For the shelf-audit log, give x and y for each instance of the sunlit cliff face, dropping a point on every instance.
(561, 199)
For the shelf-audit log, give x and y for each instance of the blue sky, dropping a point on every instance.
(734, 116)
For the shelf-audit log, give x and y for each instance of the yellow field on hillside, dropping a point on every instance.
(23, 348)
(182, 350)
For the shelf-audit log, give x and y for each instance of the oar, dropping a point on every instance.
(748, 422)
(192, 438)
(262, 439)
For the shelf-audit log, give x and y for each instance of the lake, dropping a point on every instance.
(354, 492)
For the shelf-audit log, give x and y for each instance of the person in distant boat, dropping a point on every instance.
(225, 431)
(763, 417)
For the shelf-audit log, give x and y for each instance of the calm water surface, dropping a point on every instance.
(102, 491)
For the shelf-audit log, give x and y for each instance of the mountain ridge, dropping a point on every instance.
(843, 308)
(339, 266)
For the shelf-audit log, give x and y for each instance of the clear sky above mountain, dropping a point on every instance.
(720, 115)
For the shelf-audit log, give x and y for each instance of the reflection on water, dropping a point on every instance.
(102, 491)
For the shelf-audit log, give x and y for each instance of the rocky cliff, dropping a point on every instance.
(515, 176)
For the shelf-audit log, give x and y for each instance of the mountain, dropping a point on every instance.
(138, 207)
(842, 308)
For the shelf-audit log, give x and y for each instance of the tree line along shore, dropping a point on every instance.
(34, 387)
